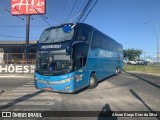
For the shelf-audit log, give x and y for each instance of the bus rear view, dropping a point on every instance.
(65, 62)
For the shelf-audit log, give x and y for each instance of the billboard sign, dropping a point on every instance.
(17, 68)
(28, 7)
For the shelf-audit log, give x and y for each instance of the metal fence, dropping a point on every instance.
(17, 58)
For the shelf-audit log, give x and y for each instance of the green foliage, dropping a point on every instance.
(152, 68)
(132, 54)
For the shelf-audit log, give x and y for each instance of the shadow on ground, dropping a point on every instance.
(20, 99)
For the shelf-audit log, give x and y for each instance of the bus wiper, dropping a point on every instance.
(46, 39)
(47, 36)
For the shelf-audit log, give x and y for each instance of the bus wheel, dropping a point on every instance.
(117, 71)
(93, 81)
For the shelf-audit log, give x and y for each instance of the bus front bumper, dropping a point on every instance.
(65, 85)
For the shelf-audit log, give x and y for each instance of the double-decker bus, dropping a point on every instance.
(72, 56)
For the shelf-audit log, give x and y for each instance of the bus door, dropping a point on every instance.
(79, 63)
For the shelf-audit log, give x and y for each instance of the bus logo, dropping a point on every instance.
(50, 46)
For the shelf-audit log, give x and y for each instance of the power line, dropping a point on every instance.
(22, 26)
(63, 10)
(2, 12)
(18, 10)
(77, 11)
(44, 18)
(15, 15)
(17, 36)
(84, 10)
(90, 10)
(55, 19)
(71, 10)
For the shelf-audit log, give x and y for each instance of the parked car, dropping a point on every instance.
(133, 62)
(138, 62)
(141, 62)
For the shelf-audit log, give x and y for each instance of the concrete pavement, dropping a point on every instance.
(16, 75)
(125, 92)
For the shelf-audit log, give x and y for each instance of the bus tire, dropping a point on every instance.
(93, 81)
(117, 70)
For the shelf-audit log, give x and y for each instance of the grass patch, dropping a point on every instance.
(143, 68)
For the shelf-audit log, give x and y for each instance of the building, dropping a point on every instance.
(12, 52)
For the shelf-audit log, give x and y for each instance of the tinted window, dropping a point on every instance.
(83, 33)
(104, 42)
(55, 35)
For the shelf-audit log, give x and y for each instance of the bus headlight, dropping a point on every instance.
(67, 87)
(61, 81)
(66, 80)
(55, 82)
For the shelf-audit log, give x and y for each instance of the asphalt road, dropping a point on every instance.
(125, 92)
(9, 82)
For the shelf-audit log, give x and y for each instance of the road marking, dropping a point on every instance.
(26, 95)
(28, 103)
(29, 96)
(34, 90)
(129, 77)
(16, 77)
(28, 85)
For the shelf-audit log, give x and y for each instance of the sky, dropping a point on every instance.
(122, 20)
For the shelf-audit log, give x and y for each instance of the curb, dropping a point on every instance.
(153, 74)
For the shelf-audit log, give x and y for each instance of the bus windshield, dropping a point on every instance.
(55, 35)
(53, 61)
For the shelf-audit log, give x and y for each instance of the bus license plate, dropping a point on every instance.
(48, 88)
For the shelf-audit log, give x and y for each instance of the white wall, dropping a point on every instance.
(1, 57)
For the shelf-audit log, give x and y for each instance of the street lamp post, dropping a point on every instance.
(156, 25)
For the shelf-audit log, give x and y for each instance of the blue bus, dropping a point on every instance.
(72, 56)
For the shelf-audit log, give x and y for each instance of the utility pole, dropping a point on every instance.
(28, 8)
(157, 42)
(156, 25)
(27, 36)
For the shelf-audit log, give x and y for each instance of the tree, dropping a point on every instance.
(132, 54)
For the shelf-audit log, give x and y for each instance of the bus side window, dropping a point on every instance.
(78, 62)
(79, 33)
(95, 42)
(86, 34)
